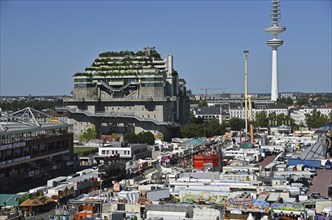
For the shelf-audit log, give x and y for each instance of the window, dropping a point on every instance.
(103, 152)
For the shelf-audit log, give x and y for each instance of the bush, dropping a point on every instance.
(85, 151)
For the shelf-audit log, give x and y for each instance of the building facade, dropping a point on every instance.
(236, 110)
(125, 92)
(209, 113)
(299, 114)
(33, 148)
(125, 151)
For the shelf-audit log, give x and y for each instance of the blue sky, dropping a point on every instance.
(43, 43)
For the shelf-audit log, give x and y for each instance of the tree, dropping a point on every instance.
(213, 128)
(131, 138)
(142, 138)
(202, 103)
(281, 119)
(302, 101)
(236, 124)
(146, 137)
(191, 130)
(272, 118)
(316, 119)
(88, 135)
(261, 119)
(284, 100)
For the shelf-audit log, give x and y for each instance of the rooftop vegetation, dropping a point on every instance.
(152, 54)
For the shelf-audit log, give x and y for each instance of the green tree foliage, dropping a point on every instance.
(284, 100)
(273, 119)
(88, 135)
(85, 151)
(145, 137)
(213, 128)
(198, 129)
(261, 119)
(302, 101)
(202, 103)
(236, 124)
(316, 119)
(192, 130)
(130, 137)
(142, 138)
(34, 103)
(24, 198)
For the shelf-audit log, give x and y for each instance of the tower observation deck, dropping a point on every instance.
(274, 30)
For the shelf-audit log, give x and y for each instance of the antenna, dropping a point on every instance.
(274, 30)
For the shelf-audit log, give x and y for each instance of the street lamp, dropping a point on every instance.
(246, 55)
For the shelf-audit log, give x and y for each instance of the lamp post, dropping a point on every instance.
(246, 55)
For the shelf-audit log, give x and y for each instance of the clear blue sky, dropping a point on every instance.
(43, 43)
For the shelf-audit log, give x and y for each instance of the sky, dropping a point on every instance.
(43, 43)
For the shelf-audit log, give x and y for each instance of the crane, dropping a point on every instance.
(206, 90)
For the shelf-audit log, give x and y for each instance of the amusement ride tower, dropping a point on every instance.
(274, 30)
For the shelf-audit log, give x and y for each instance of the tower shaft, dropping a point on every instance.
(274, 30)
(274, 83)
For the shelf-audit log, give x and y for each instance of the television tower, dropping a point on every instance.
(274, 30)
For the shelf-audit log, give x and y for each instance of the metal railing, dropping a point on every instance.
(120, 115)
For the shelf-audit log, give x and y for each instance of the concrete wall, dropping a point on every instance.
(79, 93)
(152, 92)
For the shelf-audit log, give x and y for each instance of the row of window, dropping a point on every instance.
(114, 152)
(154, 116)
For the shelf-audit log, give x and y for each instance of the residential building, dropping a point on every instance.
(299, 114)
(236, 109)
(209, 113)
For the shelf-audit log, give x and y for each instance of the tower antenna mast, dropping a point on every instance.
(274, 30)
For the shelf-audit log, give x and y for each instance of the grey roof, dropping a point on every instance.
(202, 175)
(29, 120)
(83, 177)
(316, 151)
(208, 111)
(235, 105)
(314, 106)
(276, 105)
